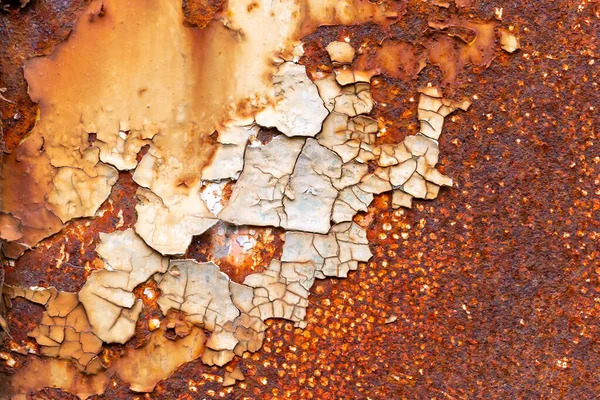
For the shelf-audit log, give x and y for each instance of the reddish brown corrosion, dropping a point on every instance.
(399, 55)
(77, 242)
(201, 12)
(237, 264)
(33, 31)
(493, 285)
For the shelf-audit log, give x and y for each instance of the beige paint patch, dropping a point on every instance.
(228, 160)
(169, 227)
(142, 368)
(64, 331)
(433, 109)
(232, 377)
(334, 254)
(201, 291)
(54, 373)
(108, 296)
(340, 52)
(298, 109)
(310, 194)
(77, 193)
(257, 197)
(286, 183)
(346, 136)
(509, 41)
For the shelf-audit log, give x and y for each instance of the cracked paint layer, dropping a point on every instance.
(236, 313)
(104, 132)
(299, 184)
(107, 296)
(275, 149)
(476, 263)
(64, 331)
(298, 109)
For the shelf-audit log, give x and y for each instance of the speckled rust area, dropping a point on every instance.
(489, 291)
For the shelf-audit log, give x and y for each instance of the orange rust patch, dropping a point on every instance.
(253, 5)
(394, 59)
(201, 12)
(224, 245)
(475, 46)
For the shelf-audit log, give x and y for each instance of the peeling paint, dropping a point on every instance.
(212, 139)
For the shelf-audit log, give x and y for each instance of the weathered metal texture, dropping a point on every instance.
(28, 32)
(490, 291)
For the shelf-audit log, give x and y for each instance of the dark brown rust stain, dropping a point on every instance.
(54, 394)
(316, 58)
(19, 327)
(265, 135)
(494, 287)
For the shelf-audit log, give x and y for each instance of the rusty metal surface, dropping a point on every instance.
(490, 291)
(28, 32)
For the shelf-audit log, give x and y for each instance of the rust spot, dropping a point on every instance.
(227, 190)
(224, 245)
(23, 317)
(253, 5)
(201, 12)
(265, 135)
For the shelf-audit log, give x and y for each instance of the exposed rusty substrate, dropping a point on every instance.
(493, 284)
(71, 251)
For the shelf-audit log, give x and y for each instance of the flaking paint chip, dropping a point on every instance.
(108, 295)
(341, 52)
(298, 109)
(509, 41)
(232, 377)
(64, 331)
